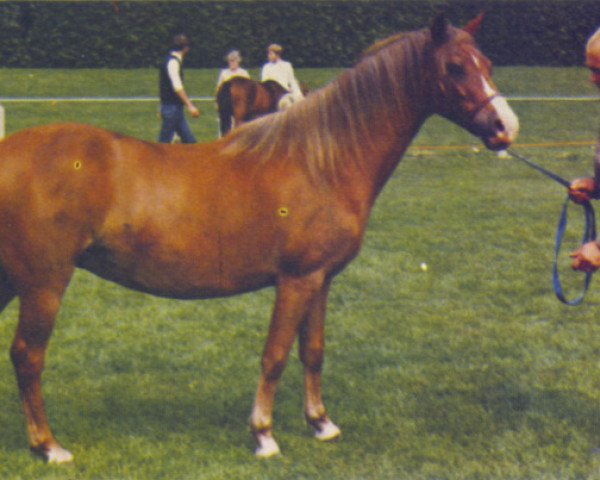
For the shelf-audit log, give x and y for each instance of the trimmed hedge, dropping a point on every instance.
(315, 34)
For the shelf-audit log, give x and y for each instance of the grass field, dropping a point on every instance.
(471, 370)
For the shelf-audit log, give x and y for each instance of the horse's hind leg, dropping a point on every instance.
(312, 349)
(38, 309)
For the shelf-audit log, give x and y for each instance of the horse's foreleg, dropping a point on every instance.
(240, 117)
(312, 350)
(38, 311)
(295, 297)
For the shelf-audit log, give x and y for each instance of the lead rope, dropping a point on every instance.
(589, 233)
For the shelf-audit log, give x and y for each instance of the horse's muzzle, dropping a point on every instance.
(496, 124)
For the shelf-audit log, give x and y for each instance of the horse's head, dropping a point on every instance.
(463, 88)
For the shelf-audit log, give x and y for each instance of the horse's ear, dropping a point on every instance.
(439, 29)
(474, 24)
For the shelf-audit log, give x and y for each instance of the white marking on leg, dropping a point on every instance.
(57, 455)
(328, 431)
(267, 446)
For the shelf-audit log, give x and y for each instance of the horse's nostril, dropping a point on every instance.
(499, 126)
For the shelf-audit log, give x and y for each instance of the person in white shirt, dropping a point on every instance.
(282, 72)
(234, 59)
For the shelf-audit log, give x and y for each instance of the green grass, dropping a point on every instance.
(471, 370)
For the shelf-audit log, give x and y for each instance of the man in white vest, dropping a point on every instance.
(282, 72)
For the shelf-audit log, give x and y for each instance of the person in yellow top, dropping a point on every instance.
(234, 60)
(587, 257)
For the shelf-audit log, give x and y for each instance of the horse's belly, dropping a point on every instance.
(177, 277)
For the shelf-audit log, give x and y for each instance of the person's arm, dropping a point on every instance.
(584, 189)
(587, 257)
(188, 103)
(173, 69)
(293, 82)
(597, 163)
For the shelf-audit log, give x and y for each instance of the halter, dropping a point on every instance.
(489, 99)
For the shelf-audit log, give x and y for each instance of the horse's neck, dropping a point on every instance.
(390, 156)
(388, 128)
(354, 131)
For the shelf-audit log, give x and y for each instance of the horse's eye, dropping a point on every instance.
(455, 70)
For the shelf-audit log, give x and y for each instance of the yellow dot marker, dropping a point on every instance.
(283, 212)
(77, 165)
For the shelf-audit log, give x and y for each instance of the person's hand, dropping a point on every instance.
(194, 111)
(587, 257)
(582, 190)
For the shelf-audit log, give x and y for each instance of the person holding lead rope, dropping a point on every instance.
(587, 257)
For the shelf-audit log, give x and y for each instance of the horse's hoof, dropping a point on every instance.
(327, 431)
(267, 447)
(57, 455)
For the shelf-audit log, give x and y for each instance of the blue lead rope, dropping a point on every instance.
(589, 233)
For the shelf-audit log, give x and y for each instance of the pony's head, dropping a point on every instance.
(463, 88)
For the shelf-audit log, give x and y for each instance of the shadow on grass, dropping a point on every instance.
(494, 408)
(166, 410)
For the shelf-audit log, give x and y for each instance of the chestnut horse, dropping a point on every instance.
(283, 201)
(243, 99)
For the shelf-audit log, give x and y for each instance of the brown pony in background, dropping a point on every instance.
(283, 201)
(243, 99)
(240, 100)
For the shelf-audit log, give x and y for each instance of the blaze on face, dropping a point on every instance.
(466, 93)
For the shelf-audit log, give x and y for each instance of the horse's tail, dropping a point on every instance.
(225, 106)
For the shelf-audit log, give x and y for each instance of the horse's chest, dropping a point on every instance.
(328, 243)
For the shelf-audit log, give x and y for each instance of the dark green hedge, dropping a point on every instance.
(315, 34)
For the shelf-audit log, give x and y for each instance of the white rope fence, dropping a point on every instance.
(515, 98)
(511, 98)
(92, 99)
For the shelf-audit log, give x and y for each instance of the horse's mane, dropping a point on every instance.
(377, 46)
(346, 119)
